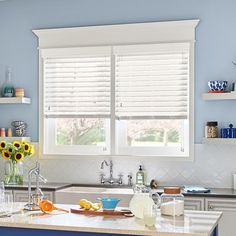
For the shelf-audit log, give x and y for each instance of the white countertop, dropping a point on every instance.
(193, 223)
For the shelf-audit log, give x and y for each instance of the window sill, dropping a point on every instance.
(98, 157)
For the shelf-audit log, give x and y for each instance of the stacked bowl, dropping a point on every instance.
(217, 85)
(20, 128)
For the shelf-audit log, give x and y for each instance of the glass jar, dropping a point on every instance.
(172, 201)
(211, 130)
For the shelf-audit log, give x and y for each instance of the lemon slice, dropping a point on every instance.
(96, 206)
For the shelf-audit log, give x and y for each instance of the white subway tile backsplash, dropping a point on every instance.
(212, 167)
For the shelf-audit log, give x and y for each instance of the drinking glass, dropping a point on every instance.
(2, 188)
(2, 193)
(149, 215)
(8, 203)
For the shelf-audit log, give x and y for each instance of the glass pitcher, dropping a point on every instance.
(143, 197)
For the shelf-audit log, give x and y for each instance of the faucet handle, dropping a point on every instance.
(120, 181)
(102, 178)
(130, 183)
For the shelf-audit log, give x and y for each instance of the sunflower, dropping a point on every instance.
(26, 147)
(19, 156)
(16, 144)
(2, 145)
(32, 151)
(6, 155)
(11, 149)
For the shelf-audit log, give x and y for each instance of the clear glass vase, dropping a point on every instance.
(7, 87)
(14, 172)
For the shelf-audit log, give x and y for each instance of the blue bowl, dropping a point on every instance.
(109, 204)
(217, 85)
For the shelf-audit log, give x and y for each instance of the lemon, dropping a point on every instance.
(96, 206)
(82, 202)
(87, 205)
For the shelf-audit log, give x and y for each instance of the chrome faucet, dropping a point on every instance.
(110, 180)
(34, 198)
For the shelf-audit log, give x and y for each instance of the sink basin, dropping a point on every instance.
(118, 191)
(72, 195)
(77, 189)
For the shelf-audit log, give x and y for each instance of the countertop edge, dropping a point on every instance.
(119, 230)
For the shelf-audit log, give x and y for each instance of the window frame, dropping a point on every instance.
(141, 33)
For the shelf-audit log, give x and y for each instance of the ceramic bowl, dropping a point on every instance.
(109, 204)
(217, 85)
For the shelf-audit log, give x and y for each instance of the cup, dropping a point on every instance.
(234, 181)
(8, 203)
(2, 194)
(149, 215)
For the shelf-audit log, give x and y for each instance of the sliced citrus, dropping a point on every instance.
(87, 205)
(96, 206)
(82, 202)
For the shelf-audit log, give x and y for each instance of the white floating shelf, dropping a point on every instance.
(219, 96)
(219, 140)
(4, 100)
(11, 139)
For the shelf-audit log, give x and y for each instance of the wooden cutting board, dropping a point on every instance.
(126, 213)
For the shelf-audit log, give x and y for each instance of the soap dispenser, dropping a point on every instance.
(140, 176)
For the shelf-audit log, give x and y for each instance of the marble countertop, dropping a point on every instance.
(193, 223)
(215, 192)
(44, 186)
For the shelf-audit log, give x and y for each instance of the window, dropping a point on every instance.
(114, 99)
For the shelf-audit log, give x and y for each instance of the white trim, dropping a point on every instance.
(153, 32)
(191, 100)
(111, 35)
(41, 102)
(75, 52)
(112, 106)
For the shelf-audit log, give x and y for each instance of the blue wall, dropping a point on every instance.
(215, 47)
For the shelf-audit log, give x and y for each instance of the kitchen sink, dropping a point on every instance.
(77, 189)
(72, 195)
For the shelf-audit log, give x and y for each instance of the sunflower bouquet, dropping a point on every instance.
(15, 153)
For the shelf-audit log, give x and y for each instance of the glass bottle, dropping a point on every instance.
(140, 176)
(7, 87)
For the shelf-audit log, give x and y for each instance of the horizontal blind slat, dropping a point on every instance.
(77, 86)
(149, 85)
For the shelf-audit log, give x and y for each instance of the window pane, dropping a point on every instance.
(80, 131)
(154, 133)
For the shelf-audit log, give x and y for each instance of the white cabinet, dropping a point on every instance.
(8, 191)
(227, 225)
(194, 203)
(22, 195)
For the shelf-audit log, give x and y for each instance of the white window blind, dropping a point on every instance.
(152, 81)
(77, 86)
